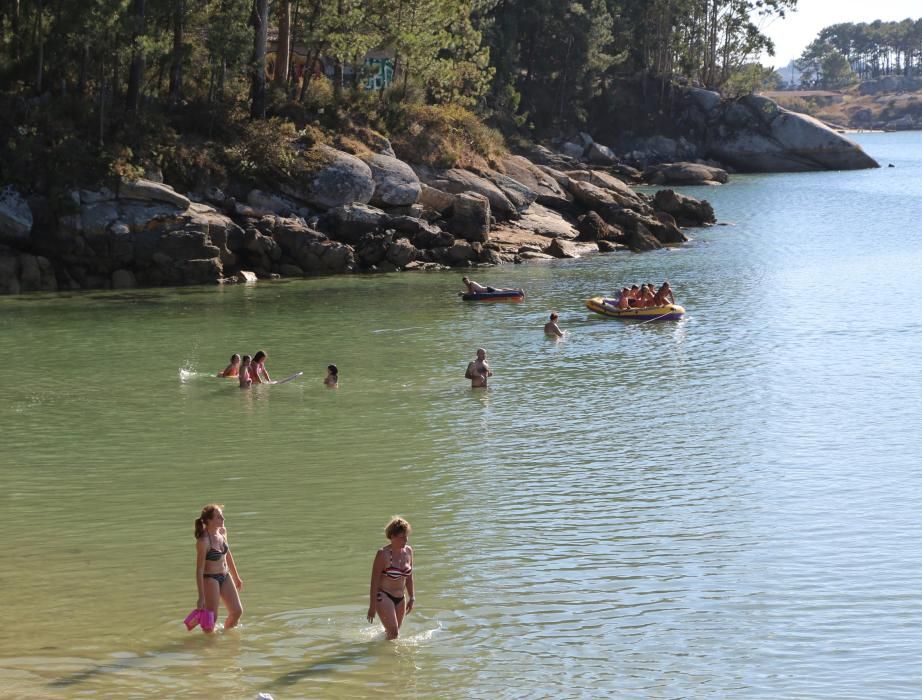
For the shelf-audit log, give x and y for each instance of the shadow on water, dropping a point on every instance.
(325, 664)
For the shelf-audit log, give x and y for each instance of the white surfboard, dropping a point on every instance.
(288, 379)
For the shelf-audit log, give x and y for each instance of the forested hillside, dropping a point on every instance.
(98, 85)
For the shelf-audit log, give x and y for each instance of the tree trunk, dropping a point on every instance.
(136, 70)
(260, 21)
(283, 45)
(179, 20)
(40, 46)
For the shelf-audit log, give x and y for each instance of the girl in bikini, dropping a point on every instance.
(233, 368)
(391, 594)
(215, 572)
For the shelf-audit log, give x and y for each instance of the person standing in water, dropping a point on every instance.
(245, 379)
(215, 571)
(233, 368)
(391, 592)
(551, 328)
(332, 378)
(478, 371)
(258, 372)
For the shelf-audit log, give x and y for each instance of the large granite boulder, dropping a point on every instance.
(548, 189)
(684, 173)
(686, 210)
(471, 217)
(457, 181)
(334, 178)
(351, 221)
(15, 217)
(150, 191)
(754, 134)
(395, 182)
(401, 253)
(520, 195)
(545, 222)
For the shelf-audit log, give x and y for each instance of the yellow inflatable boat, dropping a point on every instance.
(609, 307)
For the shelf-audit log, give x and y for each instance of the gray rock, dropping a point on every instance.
(686, 210)
(9, 272)
(471, 217)
(401, 253)
(268, 202)
(123, 279)
(96, 218)
(200, 271)
(246, 277)
(550, 193)
(545, 222)
(562, 249)
(395, 182)
(640, 240)
(533, 255)
(520, 195)
(457, 181)
(351, 221)
(705, 100)
(435, 199)
(150, 191)
(15, 217)
(341, 179)
(601, 155)
(572, 150)
(684, 174)
(104, 194)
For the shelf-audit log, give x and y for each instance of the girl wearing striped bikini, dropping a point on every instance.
(391, 593)
(215, 571)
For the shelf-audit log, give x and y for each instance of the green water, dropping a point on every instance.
(726, 506)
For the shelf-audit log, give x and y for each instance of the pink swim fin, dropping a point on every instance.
(192, 619)
(207, 619)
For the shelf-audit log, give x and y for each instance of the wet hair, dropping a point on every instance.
(208, 513)
(334, 370)
(246, 358)
(260, 355)
(634, 286)
(554, 315)
(235, 358)
(397, 526)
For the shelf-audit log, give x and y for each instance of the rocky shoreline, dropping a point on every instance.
(372, 212)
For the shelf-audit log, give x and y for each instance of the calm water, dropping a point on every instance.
(721, 507)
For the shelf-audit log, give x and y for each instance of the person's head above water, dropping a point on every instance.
(554, 316)
(333, 369)
(481, 353)
(259, 356)
(235, 358)
(396, 527)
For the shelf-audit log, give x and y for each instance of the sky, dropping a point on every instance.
(792, 34)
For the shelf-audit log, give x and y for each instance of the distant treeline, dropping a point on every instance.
(540, 60)
(843, 53)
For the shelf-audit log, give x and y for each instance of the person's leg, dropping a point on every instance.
(387, 613)
(400, 611)
(212, 599)
(231, 599)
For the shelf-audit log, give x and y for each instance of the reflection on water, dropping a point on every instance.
(723, 506)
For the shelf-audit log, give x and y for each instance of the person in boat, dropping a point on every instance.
(215, 570)
(233, 368)
(245, 380)
(332, 378)
(258, 372)
(551, 328)
(624, 299)
(633, 295)
(478, 371)
(646, 297)
(477, 288)
(663, 295)
(391, 592)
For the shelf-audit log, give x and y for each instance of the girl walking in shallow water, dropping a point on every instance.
(391, 593)
(215, 571)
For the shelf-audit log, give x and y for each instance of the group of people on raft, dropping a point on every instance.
(643, 297)
(252, 370)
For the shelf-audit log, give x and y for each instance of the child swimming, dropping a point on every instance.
(332, 378)
(245, 379)
(233, 368)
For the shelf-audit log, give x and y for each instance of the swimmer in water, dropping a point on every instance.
(332, 378)
(258, 372)
(551, 328)
(245, 380)
(233, 368)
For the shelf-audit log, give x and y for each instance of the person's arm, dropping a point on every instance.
(266, 374)
(411, 599)
(469, 374)
(232, 565)
(486, 370)
(199, 571)
(557, 331)
(377, 568)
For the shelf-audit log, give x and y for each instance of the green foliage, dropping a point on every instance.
(753, 77)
